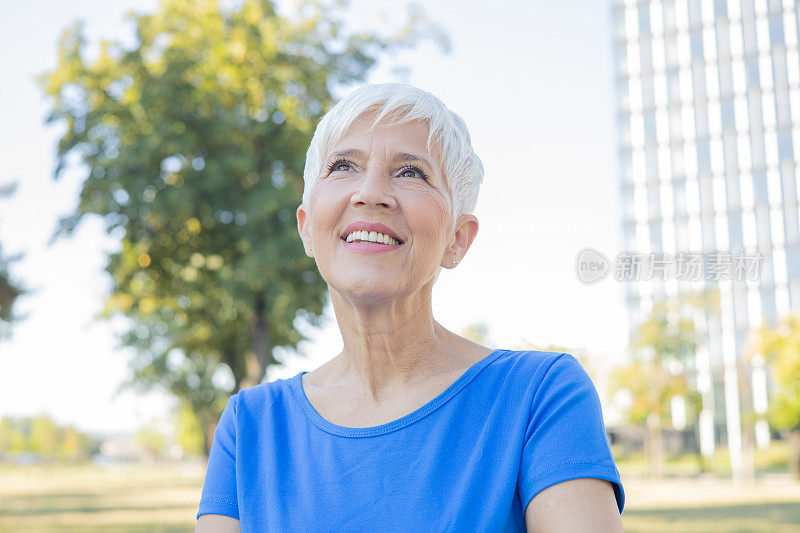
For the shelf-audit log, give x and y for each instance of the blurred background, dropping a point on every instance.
(151, 158)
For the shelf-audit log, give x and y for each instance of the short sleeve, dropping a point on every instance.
(565, 437)
(219, 489)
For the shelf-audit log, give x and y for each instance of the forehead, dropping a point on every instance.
(410, 136)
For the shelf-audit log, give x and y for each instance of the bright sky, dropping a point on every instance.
(532, 80)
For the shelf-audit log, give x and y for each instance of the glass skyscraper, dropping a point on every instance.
(708, 116)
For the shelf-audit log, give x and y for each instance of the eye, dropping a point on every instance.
(413, 172)
(342, 165)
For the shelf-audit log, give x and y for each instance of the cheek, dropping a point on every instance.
(326, 207)
(431, 218)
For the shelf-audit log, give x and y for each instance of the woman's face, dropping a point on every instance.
(384, 176)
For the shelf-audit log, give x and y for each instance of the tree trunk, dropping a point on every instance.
(260, 357)
(794, 452)
(698, 454)
(655, 450)
(748, 423)
(236, 369)
(209, 426)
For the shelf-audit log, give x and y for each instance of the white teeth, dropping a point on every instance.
(372, 236)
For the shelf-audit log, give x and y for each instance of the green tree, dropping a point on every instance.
(478, 333)
(194, 144)
(14, 435)
(152, 439)
(780, 348)
(581, 354)
(188, 431)
(662, 358)
(74, 445)
(10, 290)
(5, 435)
(44, 437)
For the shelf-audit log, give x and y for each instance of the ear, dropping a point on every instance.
(465, 232)
(304, 230)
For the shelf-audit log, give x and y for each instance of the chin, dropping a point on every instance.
(365, 287)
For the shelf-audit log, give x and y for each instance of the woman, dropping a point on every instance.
(411, 427)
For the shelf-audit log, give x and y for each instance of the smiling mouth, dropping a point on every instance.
(371, 237)
(360, 241)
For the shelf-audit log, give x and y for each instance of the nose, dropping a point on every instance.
(374, 189)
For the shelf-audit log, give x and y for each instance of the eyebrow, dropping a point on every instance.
(399, 156)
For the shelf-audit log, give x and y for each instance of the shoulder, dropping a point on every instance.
(539, 366)
(542, 378)
(256, 399)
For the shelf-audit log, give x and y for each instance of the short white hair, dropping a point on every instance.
(400, 103)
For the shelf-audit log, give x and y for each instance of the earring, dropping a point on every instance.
(455, 261)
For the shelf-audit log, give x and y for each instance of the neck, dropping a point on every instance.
(390, 345)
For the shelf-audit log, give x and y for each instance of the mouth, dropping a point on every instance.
(364, 232)
(372, 237)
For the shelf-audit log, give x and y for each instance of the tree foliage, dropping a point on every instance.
(188, 433)
(41, 436)
(152, 440)
(194, 144)
(779, 346)
(10, 290)
(661, 368)
(477, 332)
(662, 360)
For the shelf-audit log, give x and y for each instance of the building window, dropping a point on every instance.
(703, 157)
(776, 30)
(785, 150)
(696, 43)
(695, 14)
(751, 71)
(735, 230)
(650, 135)
(701, 120)
(723, 39)
(670, 24)
(731, 152)
(725, 78)
(646, 55)
(644, 19)
(760, 193)
(621, 56)
(749, 32)
(728, 115)
(619, 23)
(671, 51)
(648, 91)
(677, 163)
(651, 163)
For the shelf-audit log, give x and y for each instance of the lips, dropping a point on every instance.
(363, 225)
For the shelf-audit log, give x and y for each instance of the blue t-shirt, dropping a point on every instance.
(469, 460)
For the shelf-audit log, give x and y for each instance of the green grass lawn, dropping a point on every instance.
(691, 500)
(772, 460)
(755, 517)
(165, 497)
(92, 498)
(712, 504)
